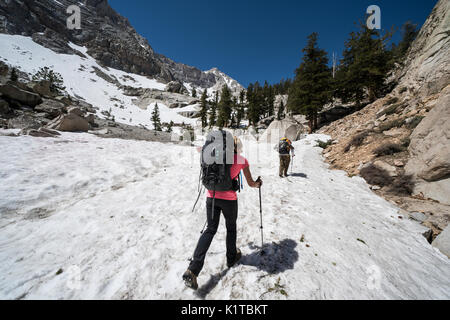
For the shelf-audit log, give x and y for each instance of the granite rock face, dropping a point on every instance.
(442, 242)
(427, 69)
(430, 152)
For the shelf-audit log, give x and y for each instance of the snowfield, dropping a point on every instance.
(83, 217)
(81, 79)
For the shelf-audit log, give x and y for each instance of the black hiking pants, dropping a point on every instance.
(230, 212)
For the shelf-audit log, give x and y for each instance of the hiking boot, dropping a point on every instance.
(236, 260)
(190, 280)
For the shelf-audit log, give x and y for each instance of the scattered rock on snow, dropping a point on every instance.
(442, 242)
(418, 216)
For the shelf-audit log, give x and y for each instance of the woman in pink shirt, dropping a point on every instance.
(225, 202)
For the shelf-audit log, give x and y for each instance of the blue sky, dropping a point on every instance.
(256, 40)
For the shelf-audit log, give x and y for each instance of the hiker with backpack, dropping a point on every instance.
(221, 167)
(285, 149)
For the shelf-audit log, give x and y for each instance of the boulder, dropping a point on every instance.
(90, 118)
(69, 123)
(442, 242)
(396, 132)
(429, 152)
(41, 133)
(42, 88)
(418, 216)
(53, 132)
(11, 91)
(280, 129)
(24, 121)
(86, 107)
(399, 163)
(391, 170)
(75, 110)
(51, 108)
(66, 100)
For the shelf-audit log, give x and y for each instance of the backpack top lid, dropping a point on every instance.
(219, 148)
(284, 146)
(216, 161)
(287, 140)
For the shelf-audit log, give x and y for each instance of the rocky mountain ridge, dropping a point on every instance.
(108, 36)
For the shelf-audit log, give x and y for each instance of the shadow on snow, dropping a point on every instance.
(298, 175)
(276, 258)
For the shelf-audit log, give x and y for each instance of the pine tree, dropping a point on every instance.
(311, 89)
(364, 68)
(213, 111)
(271, 101)
(280, 114)
(255, 98)
(225, 108)
(234, 114)
(240, 112)
(194, 93)
(156, 120)
(409, 34)
(252, 117)
(204, 109)
(170, 127)
(55, 79)
(265, 100)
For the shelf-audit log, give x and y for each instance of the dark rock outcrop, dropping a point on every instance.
(4, 107)
(12, 92)
(176, 87)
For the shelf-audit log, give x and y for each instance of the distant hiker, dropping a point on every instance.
(285, 149)
(222, 182)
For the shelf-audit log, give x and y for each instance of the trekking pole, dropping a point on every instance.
(292, 165)
(260, 212)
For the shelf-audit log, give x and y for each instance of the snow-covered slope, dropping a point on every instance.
(221, 80)
(82, 80)
(83, 217)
